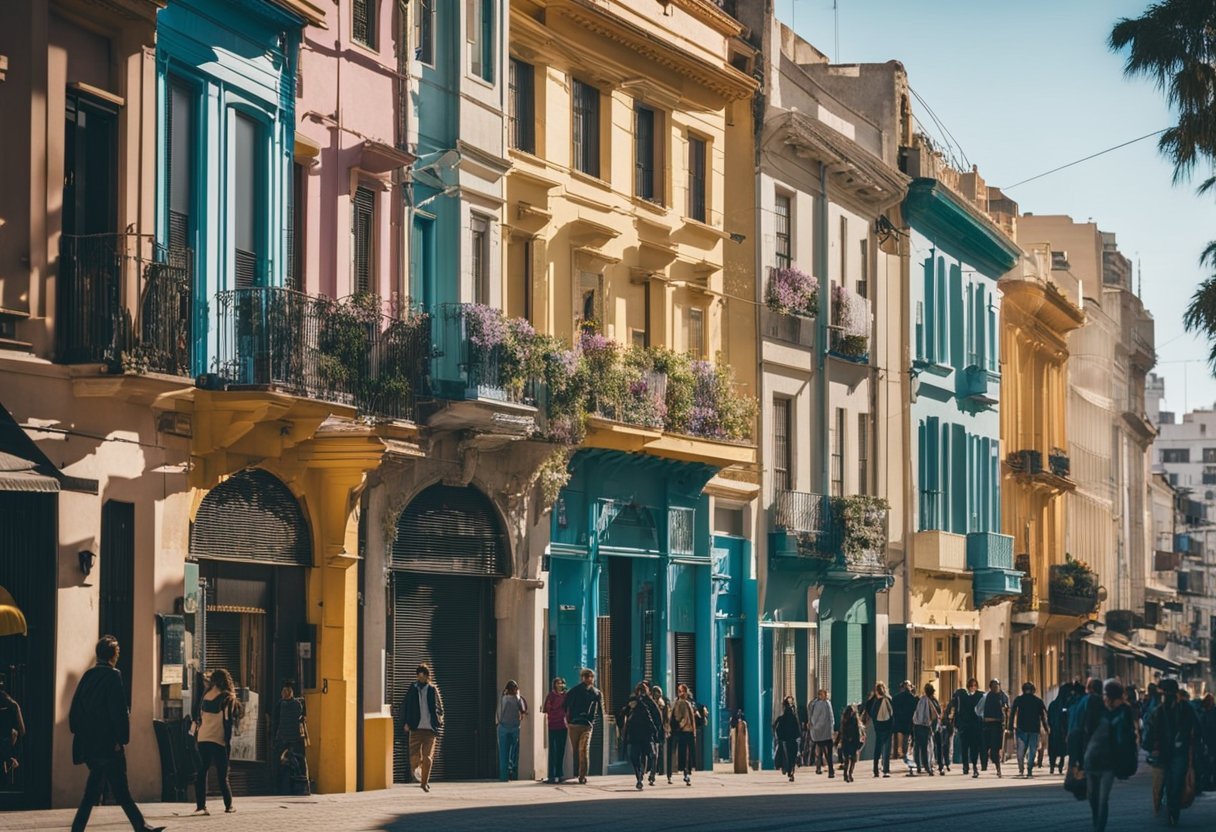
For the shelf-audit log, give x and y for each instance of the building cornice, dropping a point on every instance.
(710, 14)
(311, 13)
(959, 227)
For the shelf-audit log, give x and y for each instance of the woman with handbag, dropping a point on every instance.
(217, 711)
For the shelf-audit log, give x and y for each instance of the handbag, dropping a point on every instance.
(1074, 782)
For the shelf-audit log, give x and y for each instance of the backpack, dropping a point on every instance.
(1126, 756)
(1099, 751)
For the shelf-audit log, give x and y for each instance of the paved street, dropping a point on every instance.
(722, 801)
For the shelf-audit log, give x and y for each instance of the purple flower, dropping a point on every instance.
(792, 291)
(486, 327)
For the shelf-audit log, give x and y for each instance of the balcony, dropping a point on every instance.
(1166, 561)
(1027, 461)
(1059, 463)
(1124, 621)
(850, 328)
(790, 328)
(94, 319)
(846, 537)
(346, 352)
(1191, 582)
(1027, 464)
(1073, 589)
(1026, 601)
(940, 552)
(1188, 545)
(979, 387)
(990, 559)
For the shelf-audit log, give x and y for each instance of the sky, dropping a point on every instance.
(1026, 87)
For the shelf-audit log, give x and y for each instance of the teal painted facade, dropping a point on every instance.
(639, 588)
(232, 64)
(957, 258)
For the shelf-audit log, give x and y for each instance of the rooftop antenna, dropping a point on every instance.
(1139, 277)
(836, 22)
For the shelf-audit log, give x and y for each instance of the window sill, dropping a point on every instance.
(477, 79)
(590, 179)
(365, 47)
(650, 205)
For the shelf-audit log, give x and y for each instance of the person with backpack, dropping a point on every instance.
(101, 727)
(289, 735)
(512, 708)
(1027, 716)
(1172, 733)
(878, 712)
(969, 725)
(1111, 752)
(641, 730)
(788, 731)
(684, 724)
(215, 713)
(993, 709)
(924, 725)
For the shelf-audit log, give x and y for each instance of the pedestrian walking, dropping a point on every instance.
(924, 724)
(1111, 752)
(969, 724)
(101, 728)
(879, 714)
(903, 705)
(554, 710)
(821, 723)
(642, 726)
(787, 731)
(993, 709)
(849, 741)
(1207, 741)
(12, 731)
(1028, 720)
(1173, 729)
(584, 704)
(738, 743)
(422, 715)
(215, 713)
(1057, 726)
(684, 730)
(662, 755)
(289, 736)
(943, 741)
(512, 708)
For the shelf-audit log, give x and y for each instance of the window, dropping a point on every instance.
(479, 258)
(836, 440)
(362, 232)
(245, 203)
(481, 39)
(1175, 455)
(1209, 454)
(1173, 479)
(637, 338)
(698, 152)
(844, 251)
(589, 302)
(424, 32)
(1209, 476)
(363, 22)
(522, 102)
(783, 457)
(696, 334)
(863, 453)
(648, 153)
(296, 231)
(863, 281)
(179, 152)
(782, 231)
(586, 128)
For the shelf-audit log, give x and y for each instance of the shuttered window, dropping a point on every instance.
(479, 243)
(698, 153)
(522, 100)
(362, 223)
(296, 231)
(251, 516)
(424, 32)
(644, 152)
(783, 462)
(245, 187)
(179, 160)
(452, 530)
(363, 22)
(781, 219)
(696, 334)
(686, 660)
(586, 128)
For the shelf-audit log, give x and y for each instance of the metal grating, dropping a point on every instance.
(450, 529)
(251, 516)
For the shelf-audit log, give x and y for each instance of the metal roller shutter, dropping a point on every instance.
(686, 660)
(447, 621)
(251, 516)
(449, 529)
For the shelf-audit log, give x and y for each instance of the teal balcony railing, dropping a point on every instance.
(990, 559)
(979, 387)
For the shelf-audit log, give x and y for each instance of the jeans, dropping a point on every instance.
(1099, 785)
(789, 756)
(882, 747)
(508, 751)
(685, 743)
(1028, 746)
(1175, 780)
(422, 753)
(921, 735)
(217, 755)
(112, 770)
(580, 741)
(557, 753)
(641, 757)
(661, 764)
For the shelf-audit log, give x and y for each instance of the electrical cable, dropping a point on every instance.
(1086, 159)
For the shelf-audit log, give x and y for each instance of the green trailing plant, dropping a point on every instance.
(356, 351)
(552, 476)
(862, 524)
(1074, 577)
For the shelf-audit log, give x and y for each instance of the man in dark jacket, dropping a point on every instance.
(422, 721)
(642, 723)
(583, 705)
(1172, 731)
(969, 725)
(101, 727)
(903, 705)
(1028, 720)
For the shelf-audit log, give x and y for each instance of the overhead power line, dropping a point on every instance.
(1086, 159)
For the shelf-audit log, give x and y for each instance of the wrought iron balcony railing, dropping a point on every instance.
(847, 532)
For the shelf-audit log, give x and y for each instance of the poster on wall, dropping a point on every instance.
(173, 632)
(245, 731)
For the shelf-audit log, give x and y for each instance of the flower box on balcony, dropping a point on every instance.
(791, 291)
(979, 387)
(1073, 589)
(850, 325)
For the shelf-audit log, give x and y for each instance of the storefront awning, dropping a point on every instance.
(1154, 658)
(12, 620)
(24, 467)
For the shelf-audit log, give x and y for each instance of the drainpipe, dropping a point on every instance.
(821, 380)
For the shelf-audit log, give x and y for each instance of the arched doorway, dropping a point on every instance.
(448, 550)
(252, 544)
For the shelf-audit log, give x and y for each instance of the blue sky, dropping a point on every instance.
(1025, 87)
